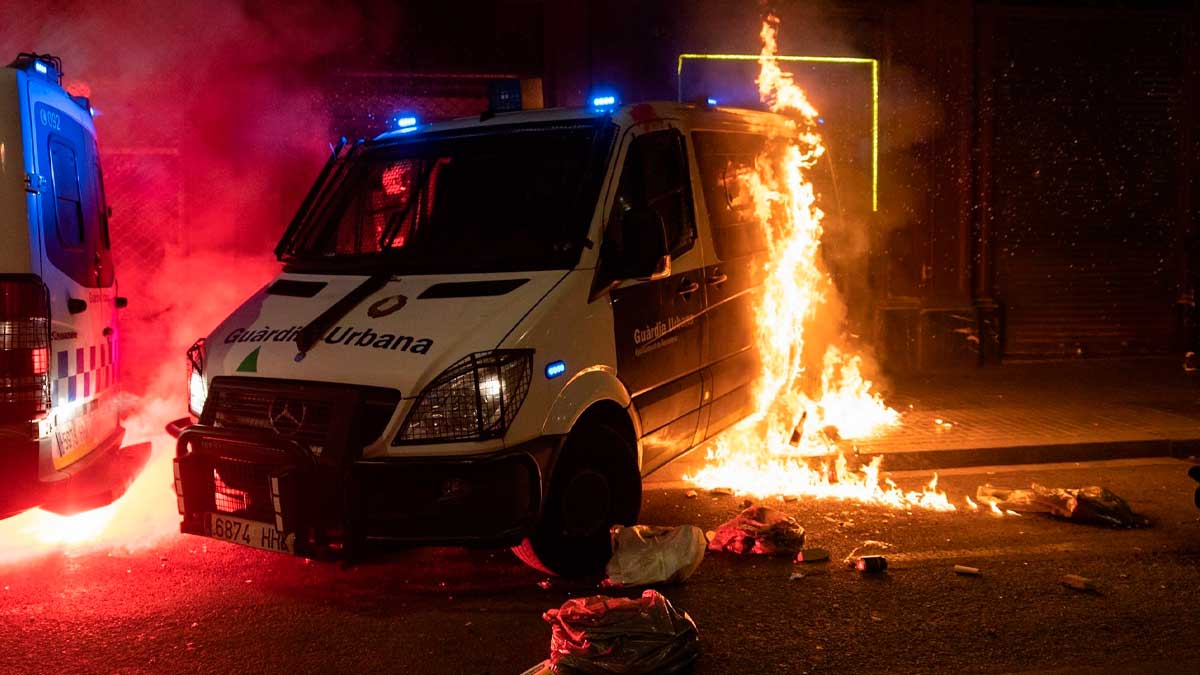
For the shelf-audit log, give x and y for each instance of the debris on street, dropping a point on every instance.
(870, 543)
(1078, 583)
(871, 564)
(812, 555)
(645, 554)
(599, 635)
(966, 570)
(1093, 504)
(759, 530)
(691, 494)
(542, 668)
(721, 492)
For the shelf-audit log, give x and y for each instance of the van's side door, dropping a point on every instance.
(659, 324)
(732, 273)
(77, 269)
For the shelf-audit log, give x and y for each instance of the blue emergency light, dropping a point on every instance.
(555, 368)
(40, 67)
(711, 101)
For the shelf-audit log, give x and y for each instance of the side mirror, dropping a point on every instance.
(644, 244)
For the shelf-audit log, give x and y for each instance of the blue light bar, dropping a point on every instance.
(555, 368)
(406, 121)
(604, 101)
(40, 67)
(712, 101)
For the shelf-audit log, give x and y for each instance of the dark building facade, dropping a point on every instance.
(1036, 159)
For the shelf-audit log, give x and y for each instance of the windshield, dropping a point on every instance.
(494, 200)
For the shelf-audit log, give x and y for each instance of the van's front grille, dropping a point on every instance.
(299, 418)
(317, 416)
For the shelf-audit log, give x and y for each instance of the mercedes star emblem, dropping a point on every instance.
(286, 416)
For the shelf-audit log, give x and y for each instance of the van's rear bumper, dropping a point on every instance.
(98, 479)
(350, 509)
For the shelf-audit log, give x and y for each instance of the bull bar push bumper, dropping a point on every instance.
(345, 509)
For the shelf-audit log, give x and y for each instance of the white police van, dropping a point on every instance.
(486, 331)
(59, 416)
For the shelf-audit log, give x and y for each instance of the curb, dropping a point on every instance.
(1035, 454)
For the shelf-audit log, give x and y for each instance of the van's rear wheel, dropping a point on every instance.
(596, 485)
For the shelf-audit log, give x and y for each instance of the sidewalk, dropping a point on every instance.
(1031, 413)
(1043, 412)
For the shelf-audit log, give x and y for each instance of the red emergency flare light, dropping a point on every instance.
(24, 348)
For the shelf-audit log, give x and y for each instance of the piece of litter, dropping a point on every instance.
(811, 555)
(690, 494)
(719, 491)
(542, 668)
(647, 554)
(759, 530)
(871, 564)
(600, 634)
(795, 576)
(965, 570)
(1078, 583)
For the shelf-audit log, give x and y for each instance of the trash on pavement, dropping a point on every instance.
(812, 555)
(645, 554)
(870, 543)
(871, 564)
(796, 576)
(691, 494)
(720, 491)
(600, 635)
(1092, 504)
(1078, 583)
(542, 668)
(966, 571)
(759, 530)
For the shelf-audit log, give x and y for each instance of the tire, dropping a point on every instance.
(596, 485)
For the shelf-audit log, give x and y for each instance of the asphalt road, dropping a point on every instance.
(193, 605)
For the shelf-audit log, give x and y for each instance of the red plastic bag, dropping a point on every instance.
(600, 635)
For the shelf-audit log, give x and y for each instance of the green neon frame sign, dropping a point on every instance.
(873, 63)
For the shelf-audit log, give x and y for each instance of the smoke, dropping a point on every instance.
(212, 124)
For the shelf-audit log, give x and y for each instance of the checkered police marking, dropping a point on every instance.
(82, 372)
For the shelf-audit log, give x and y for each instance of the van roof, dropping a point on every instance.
(690, 115)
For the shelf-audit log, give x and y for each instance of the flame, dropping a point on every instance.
(799, 417)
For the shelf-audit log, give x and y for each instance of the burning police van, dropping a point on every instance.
(59, 416)
(486, 331)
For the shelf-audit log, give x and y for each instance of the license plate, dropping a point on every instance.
(250, 533)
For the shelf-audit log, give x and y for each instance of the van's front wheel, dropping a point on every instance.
(596, 485)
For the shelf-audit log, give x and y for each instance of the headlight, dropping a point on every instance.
(474, 399)
(197, 389)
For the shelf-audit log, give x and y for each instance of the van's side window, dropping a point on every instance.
(655, 175)
(725, 159)
(68, 201)
(101, 206)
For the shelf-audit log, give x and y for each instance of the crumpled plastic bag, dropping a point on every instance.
(646, 554)
(1093, 504)
(600, 635)
(760, 530)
